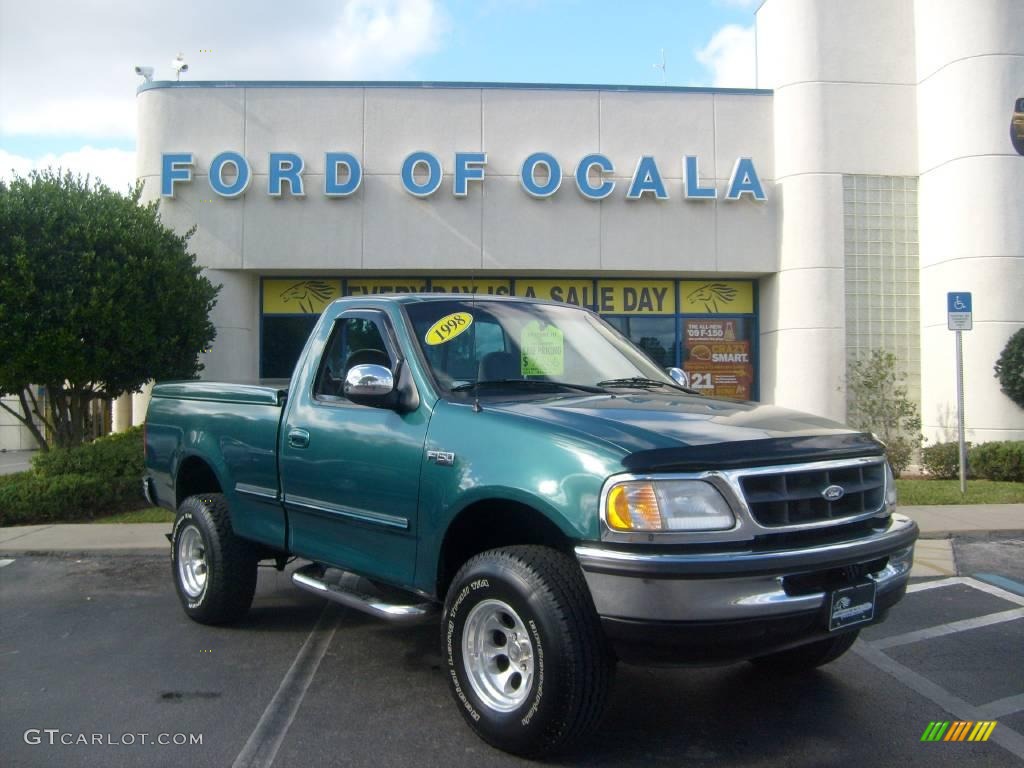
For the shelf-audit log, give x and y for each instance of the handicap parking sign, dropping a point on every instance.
(958, 311)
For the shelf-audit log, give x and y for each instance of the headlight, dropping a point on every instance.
(890, 490)
(667, 505)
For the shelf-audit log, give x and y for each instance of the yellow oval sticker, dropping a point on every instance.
(447, 328)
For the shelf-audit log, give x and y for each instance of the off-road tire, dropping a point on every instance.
(807, 657)
(573, 665)
(231, 562)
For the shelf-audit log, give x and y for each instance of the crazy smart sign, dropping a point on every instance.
(422, 174)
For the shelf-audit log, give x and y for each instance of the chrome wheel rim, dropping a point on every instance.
(497, 655)
(192, 566)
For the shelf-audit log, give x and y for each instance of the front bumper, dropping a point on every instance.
(700, 607)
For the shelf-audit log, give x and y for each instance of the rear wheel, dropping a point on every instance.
(527, 661)
(810, 656)
(214, 570)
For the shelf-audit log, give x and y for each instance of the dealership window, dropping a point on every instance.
(707, 327)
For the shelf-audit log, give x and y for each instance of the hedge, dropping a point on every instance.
(999, 460)
(78, 484)
(117, 455)
(942, 460)
(989, 461)
(32, 499)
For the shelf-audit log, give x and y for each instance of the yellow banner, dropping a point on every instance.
(578, 292)
(386, 285)
(636, 297)
(727, 297)
(465, 285)
(306, 297)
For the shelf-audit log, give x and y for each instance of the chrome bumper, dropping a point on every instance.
(640, 586)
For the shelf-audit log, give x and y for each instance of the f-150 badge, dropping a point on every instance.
(441, 458)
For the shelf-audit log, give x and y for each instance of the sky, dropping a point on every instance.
(68, 86)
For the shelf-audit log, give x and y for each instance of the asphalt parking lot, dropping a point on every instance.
(100, 646)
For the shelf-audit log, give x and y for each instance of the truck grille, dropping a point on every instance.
(796, 498)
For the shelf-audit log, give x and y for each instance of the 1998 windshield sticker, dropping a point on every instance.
(447, 328)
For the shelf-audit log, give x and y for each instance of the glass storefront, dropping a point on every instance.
(707, 327)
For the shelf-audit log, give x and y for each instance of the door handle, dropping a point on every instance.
(298, 438)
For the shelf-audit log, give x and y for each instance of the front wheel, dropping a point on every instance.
(214, 570)
(810, 656)
(528, 663)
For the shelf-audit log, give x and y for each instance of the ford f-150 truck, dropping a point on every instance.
(523, 474)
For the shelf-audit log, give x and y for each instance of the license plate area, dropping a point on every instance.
(852, 605)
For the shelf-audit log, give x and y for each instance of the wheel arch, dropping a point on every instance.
(195, 475)
(490, 523)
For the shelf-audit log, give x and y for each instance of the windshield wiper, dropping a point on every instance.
(639, 382)
(470, 385)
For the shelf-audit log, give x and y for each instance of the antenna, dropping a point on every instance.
(663, 66)
(472, 328)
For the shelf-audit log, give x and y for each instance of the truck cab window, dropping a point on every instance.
(354, 341)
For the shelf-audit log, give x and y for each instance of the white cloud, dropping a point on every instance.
(730, 57)
(114, 167)
(67, 66)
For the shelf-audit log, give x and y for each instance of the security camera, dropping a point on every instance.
(146, 72)
(179, 65)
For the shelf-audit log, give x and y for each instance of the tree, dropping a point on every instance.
(1010, 368)
(97, 297)
(878, 403)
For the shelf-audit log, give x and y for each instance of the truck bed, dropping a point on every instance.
(233, 427)
(260, 392)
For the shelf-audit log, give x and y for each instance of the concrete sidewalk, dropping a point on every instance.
(937, 522)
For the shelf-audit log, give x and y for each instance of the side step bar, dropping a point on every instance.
(349, 591)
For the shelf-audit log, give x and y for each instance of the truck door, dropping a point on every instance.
(350, 473)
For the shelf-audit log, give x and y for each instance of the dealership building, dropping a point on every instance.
(760, 238)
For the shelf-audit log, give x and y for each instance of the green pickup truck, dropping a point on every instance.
(520, 473)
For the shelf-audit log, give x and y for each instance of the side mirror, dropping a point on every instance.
(679, 376)
(370, 385)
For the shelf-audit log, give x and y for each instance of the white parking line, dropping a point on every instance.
(948, 629)
(871, 652)
(261, 748)
(981, 586)
(5, 561)
(1003, 707)
(1003, 735)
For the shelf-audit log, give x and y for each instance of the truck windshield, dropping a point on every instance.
(488, 346)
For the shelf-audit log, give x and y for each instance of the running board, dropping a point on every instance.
(349, 590)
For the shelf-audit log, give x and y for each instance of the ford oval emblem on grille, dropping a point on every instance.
(833, 493)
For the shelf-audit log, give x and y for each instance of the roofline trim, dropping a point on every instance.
(446, 85)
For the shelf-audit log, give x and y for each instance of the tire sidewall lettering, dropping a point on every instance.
(481, 589)
(185, 518)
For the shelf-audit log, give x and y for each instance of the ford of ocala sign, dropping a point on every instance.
(422, 174)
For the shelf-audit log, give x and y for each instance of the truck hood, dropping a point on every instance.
(662, 431)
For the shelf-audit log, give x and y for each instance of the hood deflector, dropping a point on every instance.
(754, 453)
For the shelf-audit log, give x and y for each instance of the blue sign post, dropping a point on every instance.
(959, 318)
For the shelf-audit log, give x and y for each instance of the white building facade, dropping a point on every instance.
(762, 239)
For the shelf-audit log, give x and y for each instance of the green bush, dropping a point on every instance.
(112, 456)
(942, 460)
(68, 485)
(900, 452)
(1010, 368)
(29, 498)
(999, 460)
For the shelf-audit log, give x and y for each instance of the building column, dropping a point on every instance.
(970, 70)
(122, 413)
(140, 402)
